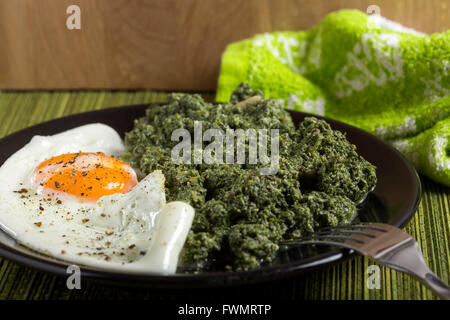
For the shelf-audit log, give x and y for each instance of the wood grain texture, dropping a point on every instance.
(159, 44)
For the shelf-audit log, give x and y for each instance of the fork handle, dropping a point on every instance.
(408, 258)
(437, 285)
(429, 279)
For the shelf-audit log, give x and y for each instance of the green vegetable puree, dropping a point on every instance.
(242, 215)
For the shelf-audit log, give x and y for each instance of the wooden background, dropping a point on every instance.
(159, 44)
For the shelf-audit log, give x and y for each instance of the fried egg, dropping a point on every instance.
(70, 196)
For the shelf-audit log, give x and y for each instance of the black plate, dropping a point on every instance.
(393, 201)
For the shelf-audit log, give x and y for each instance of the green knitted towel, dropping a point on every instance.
(363, 70)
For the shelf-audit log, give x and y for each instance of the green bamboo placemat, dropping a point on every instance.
(345, 280)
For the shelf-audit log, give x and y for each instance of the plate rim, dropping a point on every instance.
(58, 267)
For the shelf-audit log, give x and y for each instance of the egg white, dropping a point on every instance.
(135, 232)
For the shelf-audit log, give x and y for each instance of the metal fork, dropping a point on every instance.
(384, 243)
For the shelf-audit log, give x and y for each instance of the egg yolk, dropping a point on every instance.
(84, 175)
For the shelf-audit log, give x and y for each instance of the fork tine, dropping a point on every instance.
(343, 231)
(339, 238)
(356, 226)
(290, 244)
(326, 238)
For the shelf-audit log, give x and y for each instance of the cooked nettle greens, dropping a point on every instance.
(241, 215)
